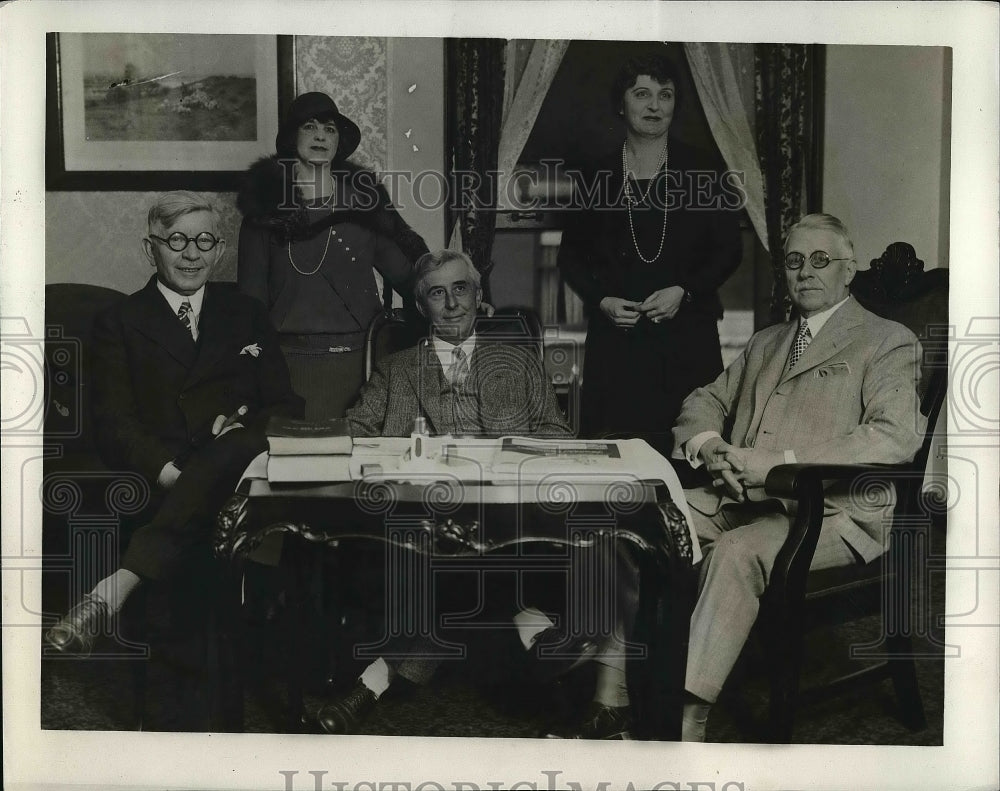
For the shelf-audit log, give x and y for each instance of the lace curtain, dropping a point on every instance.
(531, 67)
(724, 78)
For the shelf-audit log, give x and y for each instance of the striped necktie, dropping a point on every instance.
(184, 314)
(458, 371)
(802, 339)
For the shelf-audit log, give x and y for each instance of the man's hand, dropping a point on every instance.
(751, 465)
(222, 424)
(662, 304)
(714, 455)
(623, 312)
(168, 475)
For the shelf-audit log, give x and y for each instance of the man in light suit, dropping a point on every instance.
(837, 384)
(466, 383)
(185, 375)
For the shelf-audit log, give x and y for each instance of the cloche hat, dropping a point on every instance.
(321, 107)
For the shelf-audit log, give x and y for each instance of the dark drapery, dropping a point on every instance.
(475, 111)
(788, 102)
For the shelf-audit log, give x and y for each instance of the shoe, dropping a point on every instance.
(79, 629)
(553, 655)
(599, 722)
(347, 713)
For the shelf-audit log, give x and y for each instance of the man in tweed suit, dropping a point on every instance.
(463, 383)
(837, 384)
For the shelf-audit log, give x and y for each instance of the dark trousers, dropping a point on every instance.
(186, 517)
(600, 591)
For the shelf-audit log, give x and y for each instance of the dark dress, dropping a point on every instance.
(635, 379)
(315, 268)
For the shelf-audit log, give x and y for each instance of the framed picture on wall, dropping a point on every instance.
(154, 111)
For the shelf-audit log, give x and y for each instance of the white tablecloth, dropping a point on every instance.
(471, 461)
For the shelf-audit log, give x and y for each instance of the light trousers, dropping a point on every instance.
(740, 543)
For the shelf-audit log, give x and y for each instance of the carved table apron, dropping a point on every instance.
(450, 524)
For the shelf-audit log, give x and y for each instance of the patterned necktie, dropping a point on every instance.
(184, 314)
(802, 339)
(459, 368)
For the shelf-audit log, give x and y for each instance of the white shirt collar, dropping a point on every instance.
(444, 350)
(175, 300)
(817, 321)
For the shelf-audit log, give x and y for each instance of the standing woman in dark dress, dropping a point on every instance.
(647, 254)
(316, 229)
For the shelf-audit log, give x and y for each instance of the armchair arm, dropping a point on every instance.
(786, 480)
(806, 484)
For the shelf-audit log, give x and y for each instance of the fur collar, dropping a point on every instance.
(361, 200)
(266, 186)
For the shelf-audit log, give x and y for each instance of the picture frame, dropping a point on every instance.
(120, 115)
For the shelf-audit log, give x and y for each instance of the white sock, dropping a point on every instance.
(694, 720)
(611, 687)
(377, 677)
(530, 623)
(116, 588)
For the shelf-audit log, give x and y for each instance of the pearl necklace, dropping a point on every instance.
(329, 235)
(631, 200)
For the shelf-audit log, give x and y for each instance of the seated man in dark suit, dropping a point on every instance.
(836, 384)
(185, 376)
(464, 383)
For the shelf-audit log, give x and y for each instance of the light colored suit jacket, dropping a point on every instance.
(851, 398)
(506, 389)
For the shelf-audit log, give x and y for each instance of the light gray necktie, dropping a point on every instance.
(802, 339)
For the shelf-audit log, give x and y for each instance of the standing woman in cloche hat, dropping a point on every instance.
(316, 229)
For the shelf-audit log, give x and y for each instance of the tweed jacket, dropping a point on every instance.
(506, 387)
(157, 391)
(851, 398)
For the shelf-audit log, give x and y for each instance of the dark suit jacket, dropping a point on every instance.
(157, 392)
(506, 385)
(851, 398)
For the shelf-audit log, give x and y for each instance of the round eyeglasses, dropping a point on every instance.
(178, 241)
(818, 259)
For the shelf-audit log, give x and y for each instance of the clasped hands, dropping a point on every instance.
(660, 305)
(738, 469)
(221, 425)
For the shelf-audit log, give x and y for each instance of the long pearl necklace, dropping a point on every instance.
(329, 235)
(631, 200)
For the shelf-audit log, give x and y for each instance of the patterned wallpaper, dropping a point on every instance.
(352, 71)
(95, 237)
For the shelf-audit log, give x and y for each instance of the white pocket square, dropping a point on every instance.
(834, 369)
(253, 349)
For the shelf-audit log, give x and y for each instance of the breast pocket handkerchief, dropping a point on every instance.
(834, 369)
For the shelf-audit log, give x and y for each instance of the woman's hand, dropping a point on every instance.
(623, 312)
(662, 304)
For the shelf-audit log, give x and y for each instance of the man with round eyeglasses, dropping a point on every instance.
(185, 374)
(835, 384)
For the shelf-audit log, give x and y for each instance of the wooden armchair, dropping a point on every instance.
(895, 287)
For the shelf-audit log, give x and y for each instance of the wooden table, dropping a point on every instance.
(436, 524)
